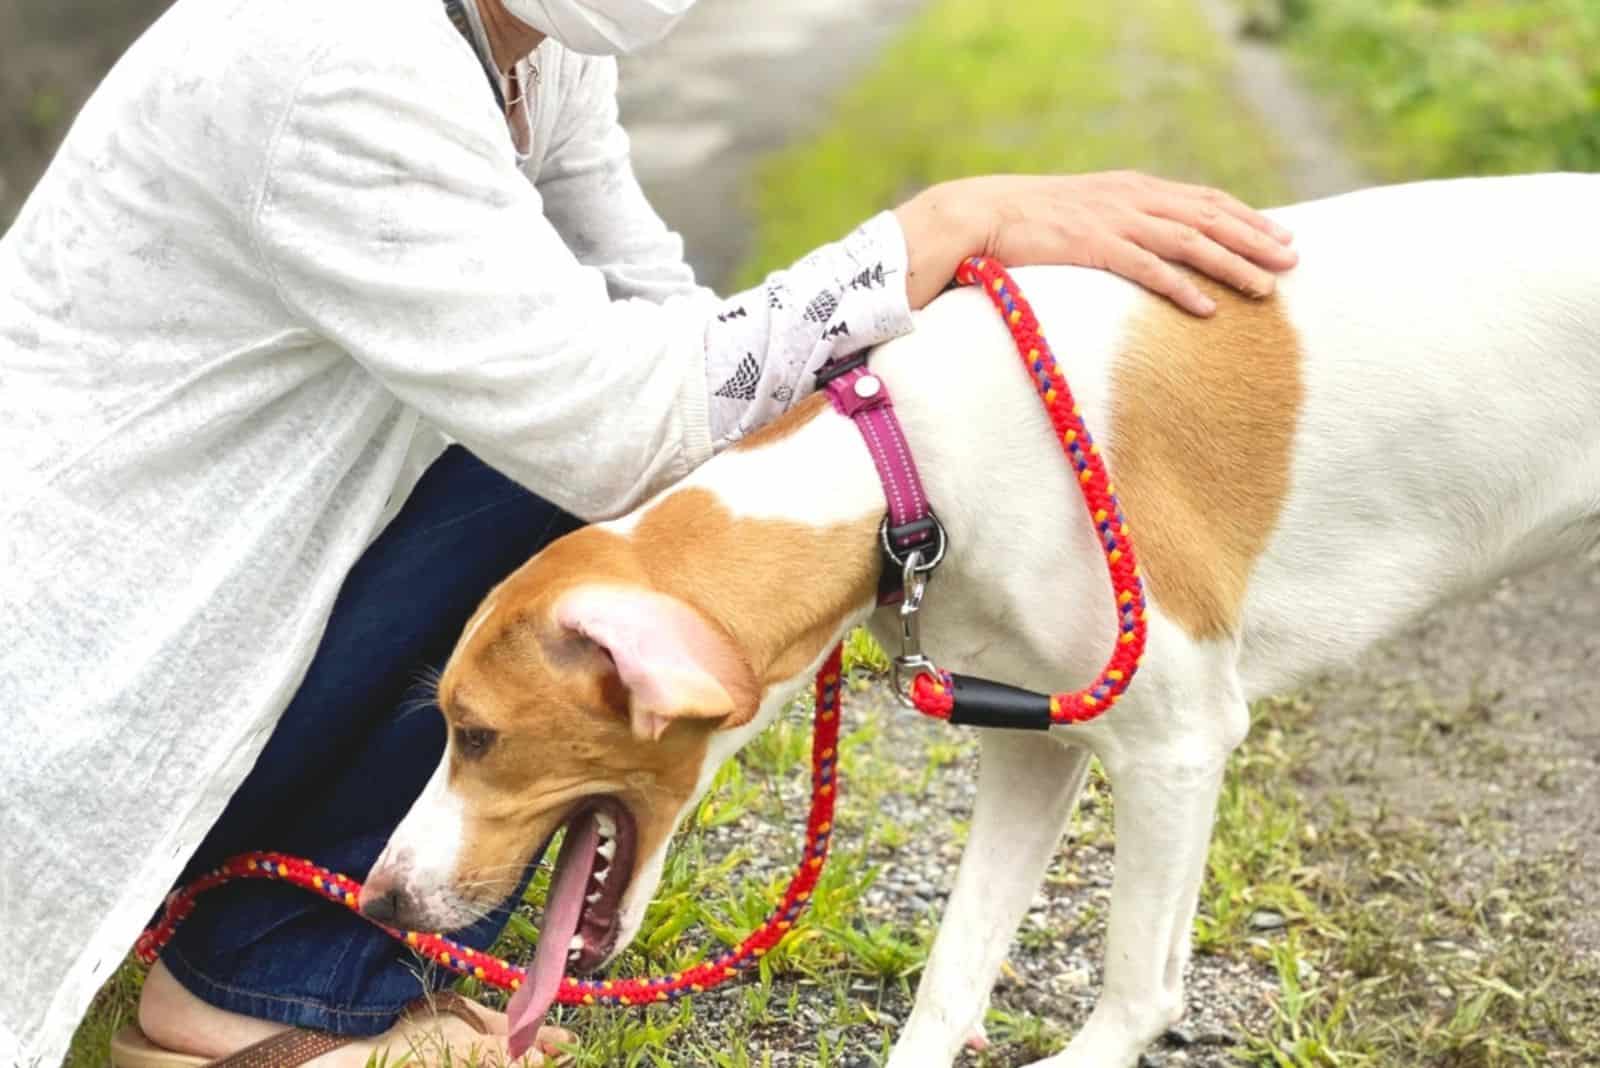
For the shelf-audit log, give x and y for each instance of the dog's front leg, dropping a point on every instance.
(1026, 789)
(1165, 799)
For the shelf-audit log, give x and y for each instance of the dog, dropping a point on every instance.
(1414, 414)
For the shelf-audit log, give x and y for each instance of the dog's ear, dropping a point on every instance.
(674, 663)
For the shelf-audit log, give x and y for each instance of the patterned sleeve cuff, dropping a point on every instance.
(765, 344)
(874, 294)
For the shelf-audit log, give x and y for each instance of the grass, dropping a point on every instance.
(1409, 939)
(1436, 88)
(113, 1006)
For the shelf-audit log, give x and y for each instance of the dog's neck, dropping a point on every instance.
(775, 541)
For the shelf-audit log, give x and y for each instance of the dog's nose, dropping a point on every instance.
(384, 904)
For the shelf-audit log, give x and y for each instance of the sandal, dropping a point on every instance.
(131, 1049)
(287, 1049)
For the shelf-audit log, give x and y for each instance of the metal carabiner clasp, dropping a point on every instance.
(911, 662)
(905, 670)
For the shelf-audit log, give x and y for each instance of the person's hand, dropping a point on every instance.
(1131, 224)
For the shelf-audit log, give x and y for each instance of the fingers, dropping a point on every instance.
(1223, 216)
(1238, 209)
(1142, 229)
(1139, 264)
(1227, 221)
(1234, 234)
(1183, 243)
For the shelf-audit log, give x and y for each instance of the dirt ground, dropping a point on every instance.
(1503, 695)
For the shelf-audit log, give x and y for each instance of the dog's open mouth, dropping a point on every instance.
(596, 864)
(580, 924)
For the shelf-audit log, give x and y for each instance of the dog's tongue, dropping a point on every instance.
(562, 912)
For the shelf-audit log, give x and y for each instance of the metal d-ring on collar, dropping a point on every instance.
(892, 540)
(913, 540)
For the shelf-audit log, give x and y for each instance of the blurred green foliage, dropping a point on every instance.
(1447, 87)
(995, 86)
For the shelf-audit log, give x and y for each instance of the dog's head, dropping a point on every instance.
(581, 698)
(597, 690)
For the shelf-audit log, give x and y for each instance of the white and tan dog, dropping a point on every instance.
(1416, 413)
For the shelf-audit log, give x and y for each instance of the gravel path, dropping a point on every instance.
(1524, 662)
(927, 782)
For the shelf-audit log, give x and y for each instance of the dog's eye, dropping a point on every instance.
(474, 742)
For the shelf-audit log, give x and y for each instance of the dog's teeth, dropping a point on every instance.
(592, 899)
(599, 877)
(607, 850)
(607, 825)
(576, 946)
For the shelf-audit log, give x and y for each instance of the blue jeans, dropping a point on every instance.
(352, 751)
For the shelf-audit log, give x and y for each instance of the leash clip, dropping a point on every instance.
(912, 662)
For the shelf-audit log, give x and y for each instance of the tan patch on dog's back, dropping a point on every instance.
(786, 424)
(1203, 418)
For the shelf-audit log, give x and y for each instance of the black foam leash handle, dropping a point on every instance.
(981, 703)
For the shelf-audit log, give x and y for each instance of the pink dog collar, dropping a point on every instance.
(910, 525)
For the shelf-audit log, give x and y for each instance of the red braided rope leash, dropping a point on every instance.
(931, 693)
(507, 976)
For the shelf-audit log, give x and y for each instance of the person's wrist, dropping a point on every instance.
(941, 228)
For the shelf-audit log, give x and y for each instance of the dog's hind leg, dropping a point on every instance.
(1027, 786)
(1165, 791)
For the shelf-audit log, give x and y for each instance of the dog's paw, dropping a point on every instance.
(977, 1039)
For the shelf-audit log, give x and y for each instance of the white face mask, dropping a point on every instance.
(601, 27)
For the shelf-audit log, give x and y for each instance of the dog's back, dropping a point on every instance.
(1450, 427)
(1416, 412)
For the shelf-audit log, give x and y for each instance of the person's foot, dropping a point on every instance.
(176, 1020)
